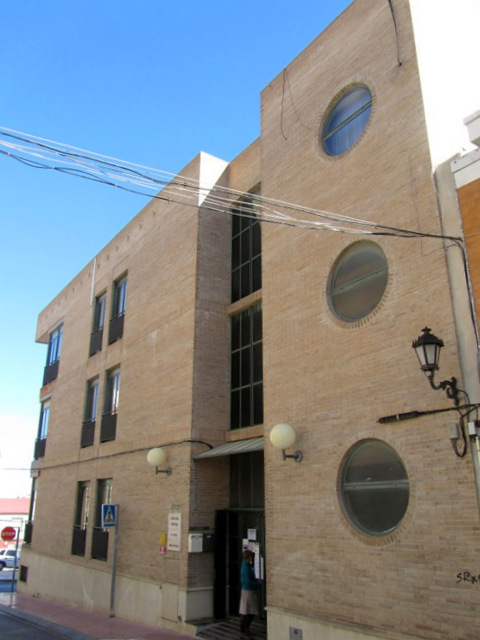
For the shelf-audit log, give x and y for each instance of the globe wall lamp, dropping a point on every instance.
(427, 347)
(283, 436)
(157, 458)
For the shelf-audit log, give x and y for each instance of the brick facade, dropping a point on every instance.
(330, 379)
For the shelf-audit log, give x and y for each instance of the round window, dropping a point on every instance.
(346, 120)
(374, 487)
(358, 281)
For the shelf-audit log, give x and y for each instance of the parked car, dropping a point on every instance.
(8, 557)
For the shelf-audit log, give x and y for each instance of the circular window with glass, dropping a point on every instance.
(374, 488)
(346, 120)
(358, 281)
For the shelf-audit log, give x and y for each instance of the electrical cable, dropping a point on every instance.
(113, 172)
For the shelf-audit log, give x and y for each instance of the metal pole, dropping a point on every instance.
(114, 565)
(476, 467)
(14, 565)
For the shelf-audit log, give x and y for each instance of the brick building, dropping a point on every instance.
(221, 311)
(466, 173)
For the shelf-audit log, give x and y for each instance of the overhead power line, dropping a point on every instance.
(40, 153)
(44, 154)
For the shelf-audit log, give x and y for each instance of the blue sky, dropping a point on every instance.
(145, 81)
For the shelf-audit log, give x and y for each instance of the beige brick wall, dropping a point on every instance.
(330, 380)
(174, 359)
(469, 201)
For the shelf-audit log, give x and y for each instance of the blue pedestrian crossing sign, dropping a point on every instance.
(109, 515)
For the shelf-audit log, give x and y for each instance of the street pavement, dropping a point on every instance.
(19, 628)
(23, 617)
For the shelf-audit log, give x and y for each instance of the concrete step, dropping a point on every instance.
(229, 629)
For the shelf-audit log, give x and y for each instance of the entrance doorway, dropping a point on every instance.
(235, 530)
(243, 524)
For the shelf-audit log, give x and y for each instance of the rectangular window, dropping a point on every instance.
(55, 345)
(99, 313)
(44, 419)
(100, 536)
(246, 250)
(98, 324)
(92, 400)
(108, 429)
(118, 310)
(81, 519)
(119, 297)
(40, 443)
(246, 384)
(90, 417)
(53, 355)
(113, 391)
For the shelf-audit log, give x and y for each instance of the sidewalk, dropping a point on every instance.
(76, 624)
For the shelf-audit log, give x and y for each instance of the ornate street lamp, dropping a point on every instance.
(427, 347)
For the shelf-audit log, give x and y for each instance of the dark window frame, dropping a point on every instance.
(246, 267)
(43, 424)
(82, 507)
(99, 313)
(50, 372)
(246, 381)
(108, 429)
(117, 317)
(99, 548)
(90, 413)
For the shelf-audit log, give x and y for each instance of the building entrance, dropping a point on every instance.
(240, 526)
(237, 529)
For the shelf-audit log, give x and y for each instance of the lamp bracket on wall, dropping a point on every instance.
(168, 471)
(297, 456)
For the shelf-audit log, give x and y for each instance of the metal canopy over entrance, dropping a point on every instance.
(232, 448)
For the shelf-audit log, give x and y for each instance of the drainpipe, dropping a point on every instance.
(462, 300)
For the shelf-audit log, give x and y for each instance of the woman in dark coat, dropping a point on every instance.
(248, 598)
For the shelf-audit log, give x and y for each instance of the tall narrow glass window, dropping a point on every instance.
(98, 323)
(99, 535)
(83, 504)
(92, 400)
(55, 345)
(44, 420)
(40, 443)
(99, 314)
(81, 519)
(113, 391)
(246, 369)
(246, 250)
(108, 430)
(118, 310)
(53, 355)
(90, 417)
(119, 297)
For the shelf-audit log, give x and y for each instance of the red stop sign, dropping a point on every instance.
(8, 533)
